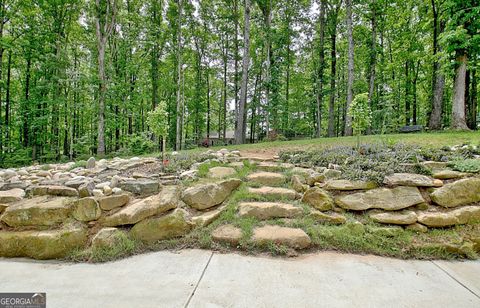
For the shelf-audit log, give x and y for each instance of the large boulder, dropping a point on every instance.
(389, 199)
(348, 185)
(459, 216)
(227, 234)
(291, 237)
(267, 178)
(12, 195)
(54, 190)
(137, 211)
(168, 226)
(110, 202)
(39, 211)
(141, 187)
(458, 193)
(204, 196)
(411, 179)
(267, 210)
(318, 198)
(86, 209)
(275, 192)
(50, 244)
(395, 218)
(106, 237)
(221, 172)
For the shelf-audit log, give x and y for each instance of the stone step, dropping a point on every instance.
(273, 167)
(267, 178)
(291, 237)
(267, 210)
(275, 192)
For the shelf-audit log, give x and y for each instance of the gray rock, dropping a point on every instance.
(142, 187)
(90, 163)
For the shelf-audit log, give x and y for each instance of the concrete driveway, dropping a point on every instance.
(197, 278)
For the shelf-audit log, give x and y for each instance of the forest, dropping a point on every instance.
(115, 77)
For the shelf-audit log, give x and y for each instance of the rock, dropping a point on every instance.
(318, 198)
(90, 163)
(3, 207)
(267, 210)
(348, 185)
(389, 199)
(434, 164)
(107, 191)
(458, 193)
(275, 192)
(39, 211)
(387, 231)
(106, 237)
(142, 187)
(291, 237)
(227, 234)
(11, 195)
(108, 203)
(7, 174)
(50, 244)
(153, 205)
(204, 196)
(411, 179)
(189, 175)
(305, 172)
(207, 218)
(44, 173)
(356, 227)
(267, 178)
(221, 172)
(15, 184)
(333, 218)
(86, 209)
(273, 167)
(86, 189)
(55, 190)
(97, 193)
(315, 177)
(332, 174)
(459, 216)
(395, 218)
(163, 227)
(297, 184)
(117, 191)
(416, 227)
(101, 185)
(76, 182)
(114, 181)
(447, 174)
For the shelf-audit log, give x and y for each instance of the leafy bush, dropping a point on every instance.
(468, 165)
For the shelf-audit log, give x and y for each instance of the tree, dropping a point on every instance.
(105, 14)
(348, 120)
(158, 121)
(240, 130)
(361, 115)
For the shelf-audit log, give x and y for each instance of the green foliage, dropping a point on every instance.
(468, 165)
(360, 113)
(158, 119)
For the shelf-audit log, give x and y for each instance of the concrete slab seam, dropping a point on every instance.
(458, 281)
(198, 282)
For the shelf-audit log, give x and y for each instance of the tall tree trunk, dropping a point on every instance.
(438, 79)
(103, 26)
(458, 106)
(7, 100)
(407, 94)
(321, 65)
(241, 115)
(268, 45)
(208, 106)
(414, 93)
(472, 123)
(348, 119)
(155, 54)
(225, 60)
(373, 60)
(179, 133)
(333, 72)
(235, 76)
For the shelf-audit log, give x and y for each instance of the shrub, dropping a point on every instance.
(468, 165)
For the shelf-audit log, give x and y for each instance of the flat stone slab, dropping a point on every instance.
(344, 185)
(382, 198)
(411, 179)
(395, 218)
(447, 174)
(227, 234)
(267, 210)
(273, 167)
(275, 192)
(221, 172)
(12, 195)
(38, 211)
(267, 178)
(458, 216)
(291, 237)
